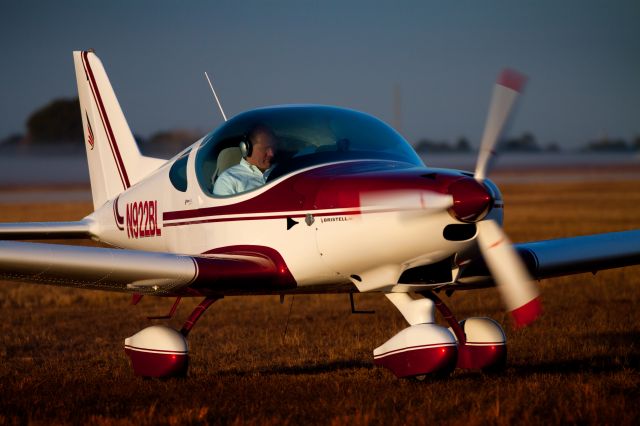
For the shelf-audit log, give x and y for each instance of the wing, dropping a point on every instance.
(45, 230)
(234, 271)
(566, 256)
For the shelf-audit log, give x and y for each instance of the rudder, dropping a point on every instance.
(115, 162)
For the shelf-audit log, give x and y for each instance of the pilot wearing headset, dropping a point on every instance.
(258, 149)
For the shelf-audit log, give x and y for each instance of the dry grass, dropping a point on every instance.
(62, 358)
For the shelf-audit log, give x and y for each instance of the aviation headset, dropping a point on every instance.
(246, 147)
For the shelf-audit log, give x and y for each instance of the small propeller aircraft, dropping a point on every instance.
(347, 206)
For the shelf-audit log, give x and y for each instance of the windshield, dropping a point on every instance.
(306, 136)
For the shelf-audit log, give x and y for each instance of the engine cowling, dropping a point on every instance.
(418, 350)
(486, 346)
(158, 351)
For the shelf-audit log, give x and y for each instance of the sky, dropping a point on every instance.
(582, 59)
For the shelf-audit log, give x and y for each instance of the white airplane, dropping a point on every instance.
(348, 207)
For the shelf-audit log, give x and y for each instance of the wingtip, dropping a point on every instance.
(512, 79)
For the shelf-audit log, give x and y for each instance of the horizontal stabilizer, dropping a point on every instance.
(45, 230)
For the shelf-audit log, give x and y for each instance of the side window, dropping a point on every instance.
(178, 173)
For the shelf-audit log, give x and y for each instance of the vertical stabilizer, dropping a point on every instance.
(115, 162)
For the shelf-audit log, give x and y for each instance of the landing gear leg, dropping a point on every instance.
(448, 316)
(161, 351)
(196, 314)
(423, 348)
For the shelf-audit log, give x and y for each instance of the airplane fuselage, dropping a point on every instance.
(317, 219)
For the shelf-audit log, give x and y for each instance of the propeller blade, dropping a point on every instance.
(505, 93)
(410, 200)
(518, 291)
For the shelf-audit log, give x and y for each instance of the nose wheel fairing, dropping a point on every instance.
(485, 347)
(418, 349)
(426, 348)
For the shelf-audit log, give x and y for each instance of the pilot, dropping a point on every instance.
(258, 150)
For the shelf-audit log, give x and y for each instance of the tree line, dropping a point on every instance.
(60, 122)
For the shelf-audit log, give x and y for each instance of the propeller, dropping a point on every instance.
(409, 201)
(505, 94)
(518, 291)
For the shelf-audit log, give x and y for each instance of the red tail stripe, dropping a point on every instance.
(102, 118)
(105, 121)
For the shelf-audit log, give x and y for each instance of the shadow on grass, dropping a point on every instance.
(591, 365)
(624, 350)
(619, 342)
(329, 367)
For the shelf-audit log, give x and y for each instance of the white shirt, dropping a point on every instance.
(242, 177)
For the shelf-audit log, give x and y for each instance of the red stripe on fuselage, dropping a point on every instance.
(292, 215)
(330, 190)
(267, 216)
(277, 200)
(105, 121)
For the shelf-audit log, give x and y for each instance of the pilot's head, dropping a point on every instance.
(263, 144)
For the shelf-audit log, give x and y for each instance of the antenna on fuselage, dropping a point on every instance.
(215, 96)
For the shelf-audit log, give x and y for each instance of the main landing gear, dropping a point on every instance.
(426, 348)
(160, 351)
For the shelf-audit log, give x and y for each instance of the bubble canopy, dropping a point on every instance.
(307, 135)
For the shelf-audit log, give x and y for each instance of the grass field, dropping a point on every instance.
(62, 359)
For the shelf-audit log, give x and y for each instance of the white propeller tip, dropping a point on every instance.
(505, 93)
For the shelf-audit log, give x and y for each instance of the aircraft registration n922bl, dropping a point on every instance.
(346, 206)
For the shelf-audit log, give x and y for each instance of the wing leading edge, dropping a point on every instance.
(590, 253)
(161, 274)
(566, 256)
(45, 230)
